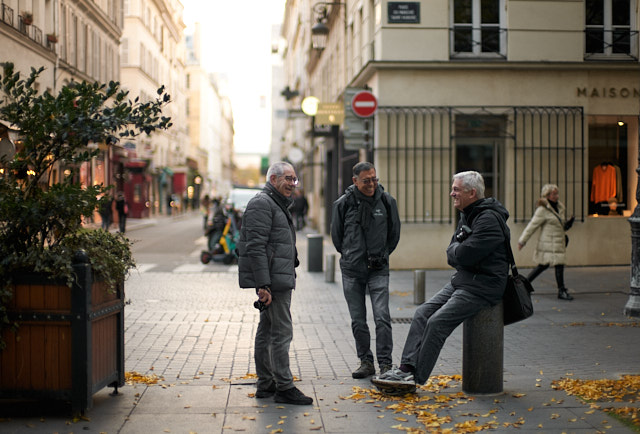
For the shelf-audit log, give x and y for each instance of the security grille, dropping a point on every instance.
(418, 149)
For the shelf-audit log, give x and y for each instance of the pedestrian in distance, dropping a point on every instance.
(122, 207)
(299, 209)
(205, 205)
(267, 262)
(105, 204)
(551, 248)
(478, 253)
(365, 230)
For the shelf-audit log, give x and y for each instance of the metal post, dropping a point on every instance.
(632, 308)
(482, 352)
(330, 270)
(419, 286)
(314, 255)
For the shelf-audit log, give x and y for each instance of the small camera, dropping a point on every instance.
(260, 305)
(376, 262)
(463, 233)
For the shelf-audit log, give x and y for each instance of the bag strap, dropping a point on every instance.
(507, 243)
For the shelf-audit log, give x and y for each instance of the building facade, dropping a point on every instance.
(73, 41)
(526, 92)
(210, 122)
(157, 167)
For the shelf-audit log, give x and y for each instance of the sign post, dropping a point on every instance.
(360, 106)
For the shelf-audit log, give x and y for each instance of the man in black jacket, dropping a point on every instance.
(365, 229)
(267, 261)
(478, 253)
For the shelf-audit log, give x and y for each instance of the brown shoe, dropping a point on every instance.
(365, 370)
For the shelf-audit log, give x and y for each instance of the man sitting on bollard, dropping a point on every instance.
(365, 229)
(477, 251)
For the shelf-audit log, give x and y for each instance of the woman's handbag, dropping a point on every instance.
(516, 301)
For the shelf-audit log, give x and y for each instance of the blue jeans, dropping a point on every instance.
(273, 338)
(354, 292)
(432, 324)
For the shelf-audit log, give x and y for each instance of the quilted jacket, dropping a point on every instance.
(267, 247)
(551, 245)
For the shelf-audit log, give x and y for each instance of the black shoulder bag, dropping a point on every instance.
(516, 301)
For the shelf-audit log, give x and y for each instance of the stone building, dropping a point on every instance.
(526, 92)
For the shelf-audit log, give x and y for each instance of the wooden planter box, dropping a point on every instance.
(70, 341)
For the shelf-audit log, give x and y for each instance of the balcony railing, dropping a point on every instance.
(621, 44)
(34, 33)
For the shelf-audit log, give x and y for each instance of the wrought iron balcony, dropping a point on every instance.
(34, 33)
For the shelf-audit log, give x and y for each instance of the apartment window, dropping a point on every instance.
(476, 30)
(609, 29)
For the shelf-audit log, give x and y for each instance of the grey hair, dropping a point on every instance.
(547, 189)
(278, 169)
(361, 167)
(471, 180)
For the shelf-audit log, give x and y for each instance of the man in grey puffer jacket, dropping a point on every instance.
(267, 261)
(478, 252)
(365, 229)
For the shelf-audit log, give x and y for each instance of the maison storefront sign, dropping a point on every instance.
(607, 92)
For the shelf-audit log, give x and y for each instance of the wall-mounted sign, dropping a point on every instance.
(330, 113)
(403, 12)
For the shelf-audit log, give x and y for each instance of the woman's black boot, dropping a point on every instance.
(564, 295)
(562, 291)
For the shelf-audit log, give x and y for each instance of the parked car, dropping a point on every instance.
(239, 198)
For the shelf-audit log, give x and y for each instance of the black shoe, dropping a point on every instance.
(292, 396)
(564, 295)
(365, 370)
(266, 393)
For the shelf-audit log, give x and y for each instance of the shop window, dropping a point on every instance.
(610, 31)
(476, 29)
(608, 193)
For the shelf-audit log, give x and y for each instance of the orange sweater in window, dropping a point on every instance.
(603, 185)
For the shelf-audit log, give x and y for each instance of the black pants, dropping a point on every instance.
(540, 268)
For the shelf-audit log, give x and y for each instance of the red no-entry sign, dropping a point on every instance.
(364, 104)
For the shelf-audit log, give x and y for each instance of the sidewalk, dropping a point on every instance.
(195, 332)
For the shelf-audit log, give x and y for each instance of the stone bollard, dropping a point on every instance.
(330, 268)
(314, 254)
(482, 352)
(419, 286)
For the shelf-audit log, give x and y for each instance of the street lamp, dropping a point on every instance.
(320, 31)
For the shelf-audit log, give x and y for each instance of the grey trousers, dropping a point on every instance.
(432, 324)
(273, 338)
(354, 292)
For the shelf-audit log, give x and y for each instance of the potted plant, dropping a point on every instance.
(72, 274)
(52, 37)
(27, 18)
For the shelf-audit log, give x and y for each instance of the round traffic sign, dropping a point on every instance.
(364, 104)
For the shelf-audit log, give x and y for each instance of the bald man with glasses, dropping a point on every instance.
(365, 229)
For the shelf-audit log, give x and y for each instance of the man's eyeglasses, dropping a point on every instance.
(291, 179)
(370, 180)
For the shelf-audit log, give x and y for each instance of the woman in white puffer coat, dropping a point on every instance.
(549, 217)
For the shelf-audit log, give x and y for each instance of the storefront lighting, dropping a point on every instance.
(620, 123)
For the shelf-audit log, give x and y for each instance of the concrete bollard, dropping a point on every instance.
(419, 286)
(483, 352)
(330, 268)
(314, 254)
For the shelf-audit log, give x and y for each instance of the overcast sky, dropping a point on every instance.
(237, 41)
